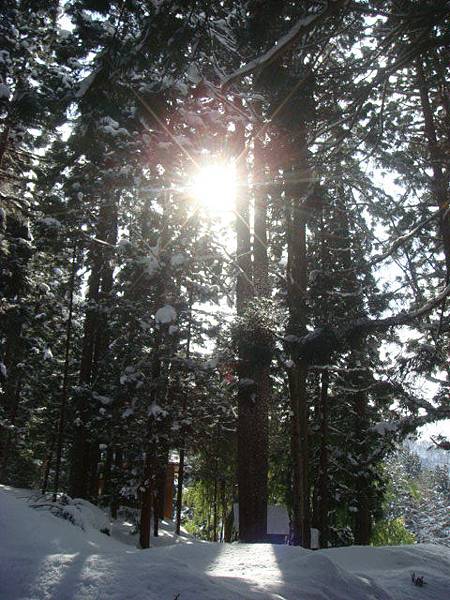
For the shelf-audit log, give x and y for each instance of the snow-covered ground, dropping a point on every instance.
(46, 558)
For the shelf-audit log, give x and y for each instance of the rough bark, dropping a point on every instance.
(296, 287)
(160, 492)
(322, 482)
(180, 491)
(14, 315)
(148, 484)
(180, 479)
(363, 518)
(47, 465)
(65, 385)
(146, 504)
(155, 454)
(252, 389)
(95, 341)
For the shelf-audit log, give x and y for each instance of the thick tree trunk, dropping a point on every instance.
(147, 485)
(252, 397)
(180, 482)
(146, 505)
(47, 465)
(215, 503)
(296, 289)
(11, 401)
(65, 385)
(95, 342)
(12, 345)
(262, 290)
(114, 504)
(155, 455)
(300, 456)
(363, 518)
(160, 494)
(180, 491)
(322, 483)
(223, 503)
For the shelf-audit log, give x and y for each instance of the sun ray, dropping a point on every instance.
(214, 187)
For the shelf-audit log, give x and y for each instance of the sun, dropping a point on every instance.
(214, 187)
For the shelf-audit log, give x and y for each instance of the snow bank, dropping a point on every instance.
(44, 558)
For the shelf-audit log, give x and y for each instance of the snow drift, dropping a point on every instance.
(46, 558)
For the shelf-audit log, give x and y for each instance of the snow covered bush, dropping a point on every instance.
(79, 512)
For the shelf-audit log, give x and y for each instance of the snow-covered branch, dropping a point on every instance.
(402, 318)
(285, 43)
(323, 341)
(401, 240)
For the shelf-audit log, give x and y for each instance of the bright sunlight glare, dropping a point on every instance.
(214, 187)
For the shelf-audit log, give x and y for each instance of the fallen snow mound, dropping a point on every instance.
(79, 512)
(45, 558)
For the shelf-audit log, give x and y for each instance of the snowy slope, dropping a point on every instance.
(43, 558)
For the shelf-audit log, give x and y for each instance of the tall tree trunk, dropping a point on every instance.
(180, 491)
(11, 401)
(160, 493)
(180, 480)
(363, 517)
(148, 484)
(65, 385)
(215, 500)
(146, 504)
(155, 455)
(13, 346)
(94, 345)
(223, 504)
(358, 381)
(322, 483)
(47, 464)
(118, 460)
(252, 405)
(297, 374)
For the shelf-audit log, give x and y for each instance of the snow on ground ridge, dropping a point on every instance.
(46, 558)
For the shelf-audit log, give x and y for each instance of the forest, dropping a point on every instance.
(225, 251)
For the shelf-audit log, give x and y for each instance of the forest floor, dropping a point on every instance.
(46, 558)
